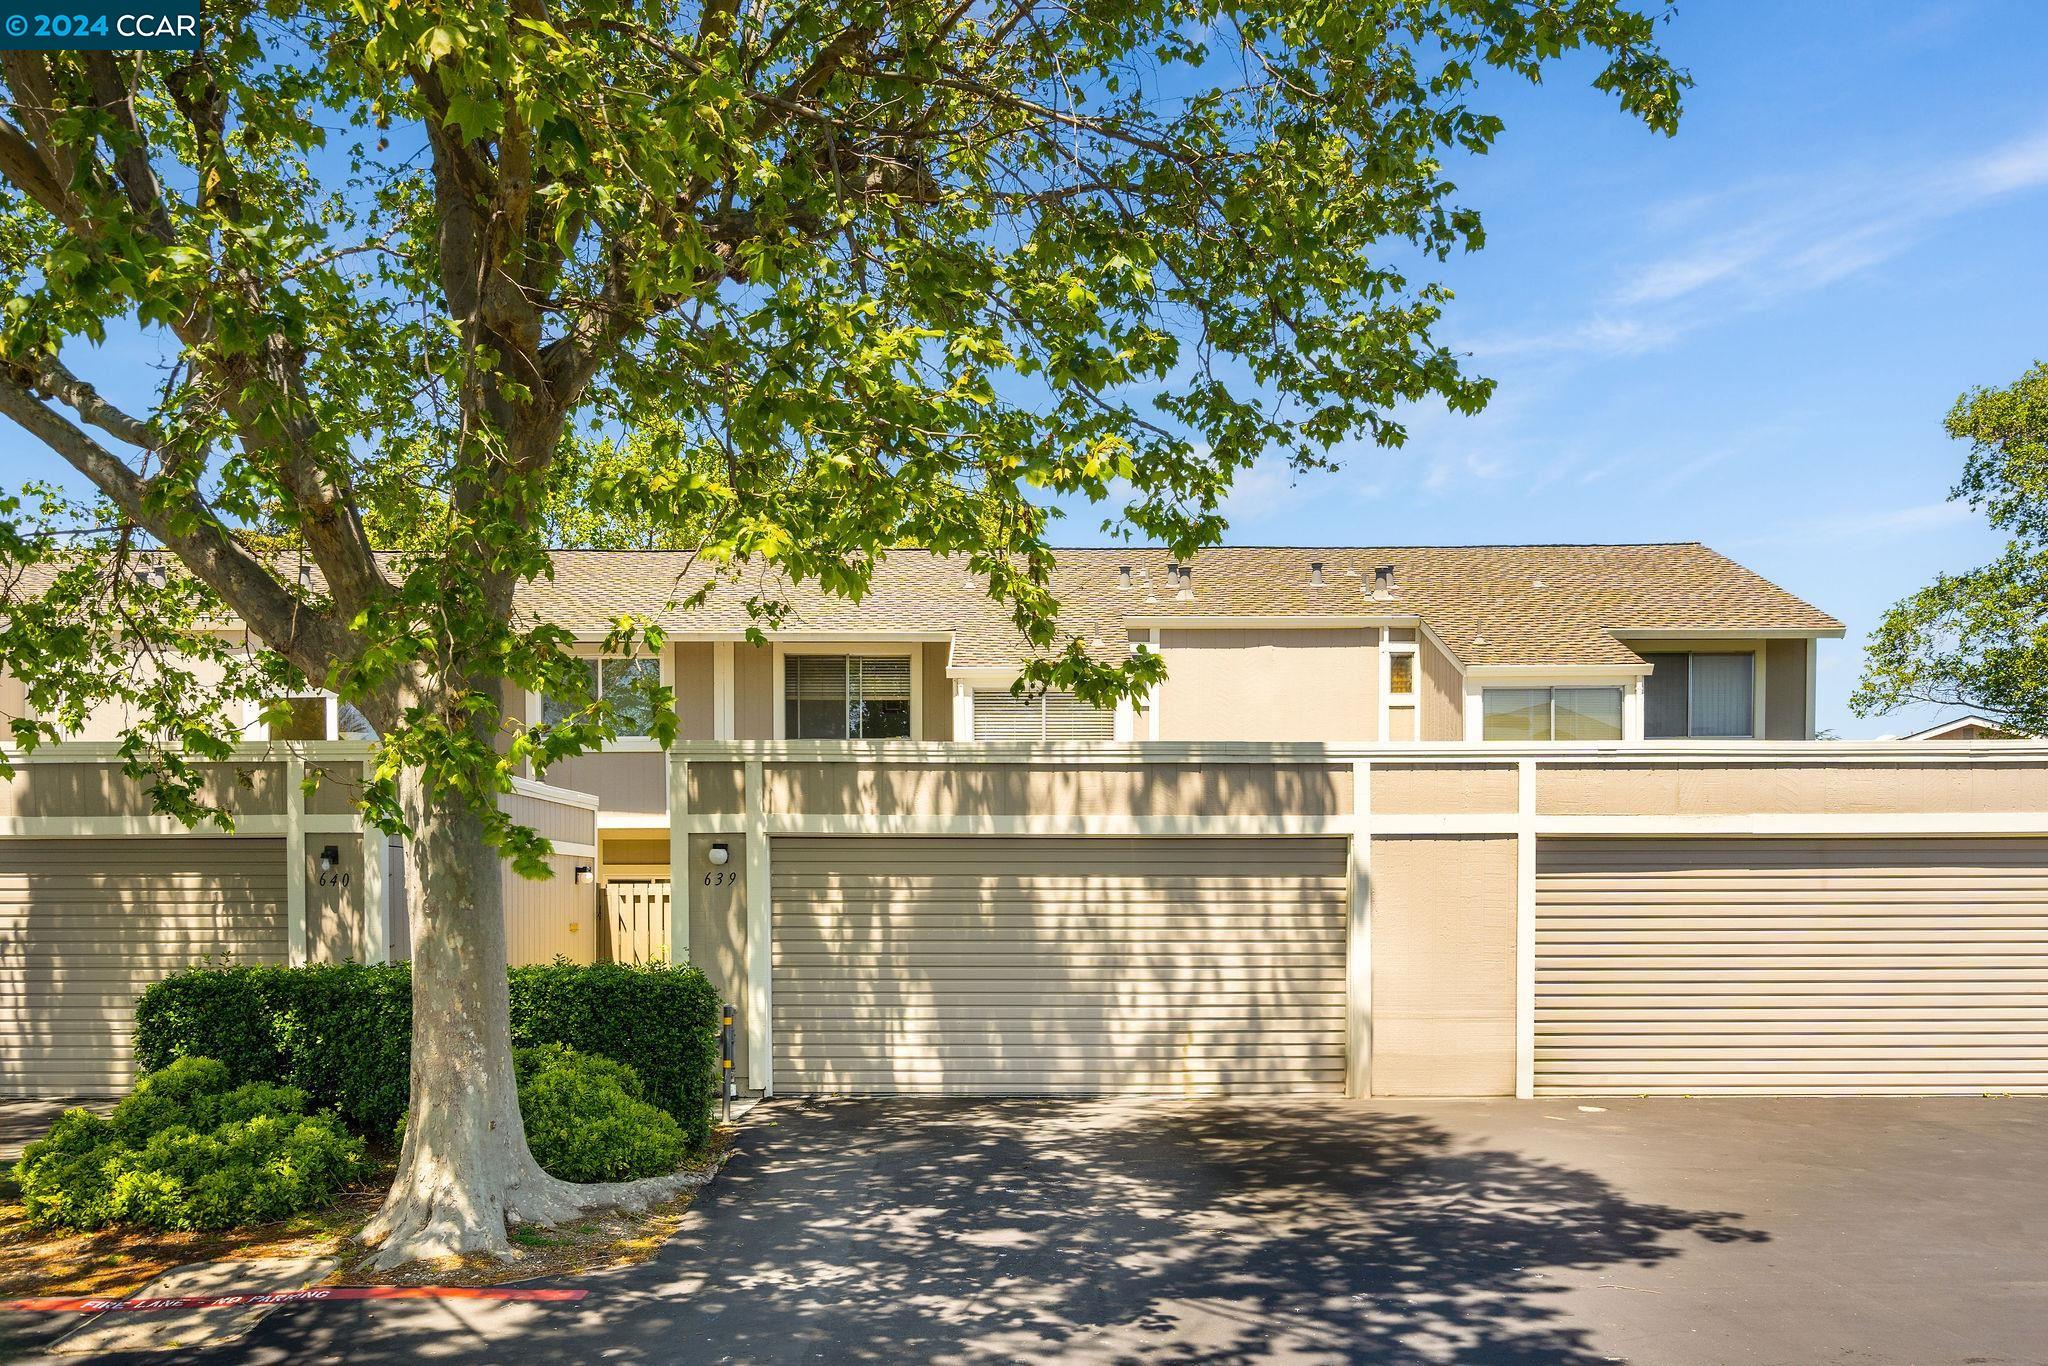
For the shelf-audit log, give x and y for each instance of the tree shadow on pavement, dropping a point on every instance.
(958, 1231)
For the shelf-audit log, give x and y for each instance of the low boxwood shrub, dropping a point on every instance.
(586, 1118)
(342, 1032)
(189, 1149)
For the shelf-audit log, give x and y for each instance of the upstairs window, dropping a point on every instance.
(1002, 715)
(620, 679)
(304, 718)
(1552, 713)
(1701, 696)
(1401, 673)
(846, 697)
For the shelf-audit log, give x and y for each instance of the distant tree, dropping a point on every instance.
(857, 275)
(1979, 639)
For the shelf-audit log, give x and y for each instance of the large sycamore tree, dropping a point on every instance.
(319, 309)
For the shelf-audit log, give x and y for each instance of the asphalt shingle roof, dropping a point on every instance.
(1491, 605)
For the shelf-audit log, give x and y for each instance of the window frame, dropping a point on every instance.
(1041, 709)
(256, 728)
(1756, 692)
(537, 701)
(1550, 691)
(853, 649)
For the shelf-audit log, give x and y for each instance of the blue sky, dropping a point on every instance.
(1748, 334)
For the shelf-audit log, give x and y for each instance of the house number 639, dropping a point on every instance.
(720, 878)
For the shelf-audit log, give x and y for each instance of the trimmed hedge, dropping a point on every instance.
(342, 1032)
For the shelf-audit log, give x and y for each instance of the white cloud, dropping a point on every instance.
(1748, 246)
(1861, 525)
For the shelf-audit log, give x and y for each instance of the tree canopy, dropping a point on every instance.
(843, 277)
(1979, 639)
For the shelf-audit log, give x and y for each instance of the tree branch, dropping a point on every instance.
(309, 638)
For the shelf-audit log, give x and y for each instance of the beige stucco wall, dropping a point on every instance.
(1045, 789)
(716, 788)
(1416, 789)
(1443, 965)
(718, 925)
(100, 789)
(335, 928)
(624, 781)
(1269, 684)
(1643, 789)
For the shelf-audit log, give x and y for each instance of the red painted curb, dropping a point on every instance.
(85, 1305)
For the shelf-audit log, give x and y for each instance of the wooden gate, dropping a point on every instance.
(636, 920)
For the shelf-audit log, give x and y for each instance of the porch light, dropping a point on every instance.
(721, 854)
(585, 874)
(330, 858)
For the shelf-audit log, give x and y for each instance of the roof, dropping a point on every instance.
(1491, 605)
(1983, 724)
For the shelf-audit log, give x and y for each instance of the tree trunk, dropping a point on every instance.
(464, 1172)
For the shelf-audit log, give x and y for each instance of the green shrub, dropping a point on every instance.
(189, 1149)
(586, 1120)
(342, 1033)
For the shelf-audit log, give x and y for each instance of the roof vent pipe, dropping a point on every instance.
(1315, 573)
(1383, 581)
(1123, 576)
(1187, 582)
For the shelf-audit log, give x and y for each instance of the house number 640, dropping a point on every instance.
(336, 879)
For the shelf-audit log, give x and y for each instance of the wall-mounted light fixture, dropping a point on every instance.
(585, 873)
(330, 858)
(721, 854)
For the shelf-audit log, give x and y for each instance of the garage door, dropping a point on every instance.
(1788, 966)
(1044, 966)
(85, 925)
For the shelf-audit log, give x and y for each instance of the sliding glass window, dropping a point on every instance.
(1706, 696)
(1551, 713)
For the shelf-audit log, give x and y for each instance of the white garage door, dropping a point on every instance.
(85, 925)
(1785, 966)
(1043, 966)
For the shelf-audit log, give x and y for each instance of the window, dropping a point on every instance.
(846, 697)
(1702, 695)
(1002, 715)
(305, 718)
(1552, 713)
(621, 680)
(1401, 673)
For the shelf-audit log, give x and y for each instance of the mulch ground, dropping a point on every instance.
(37, 1261)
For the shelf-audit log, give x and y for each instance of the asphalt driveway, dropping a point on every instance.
(1795, 1231)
